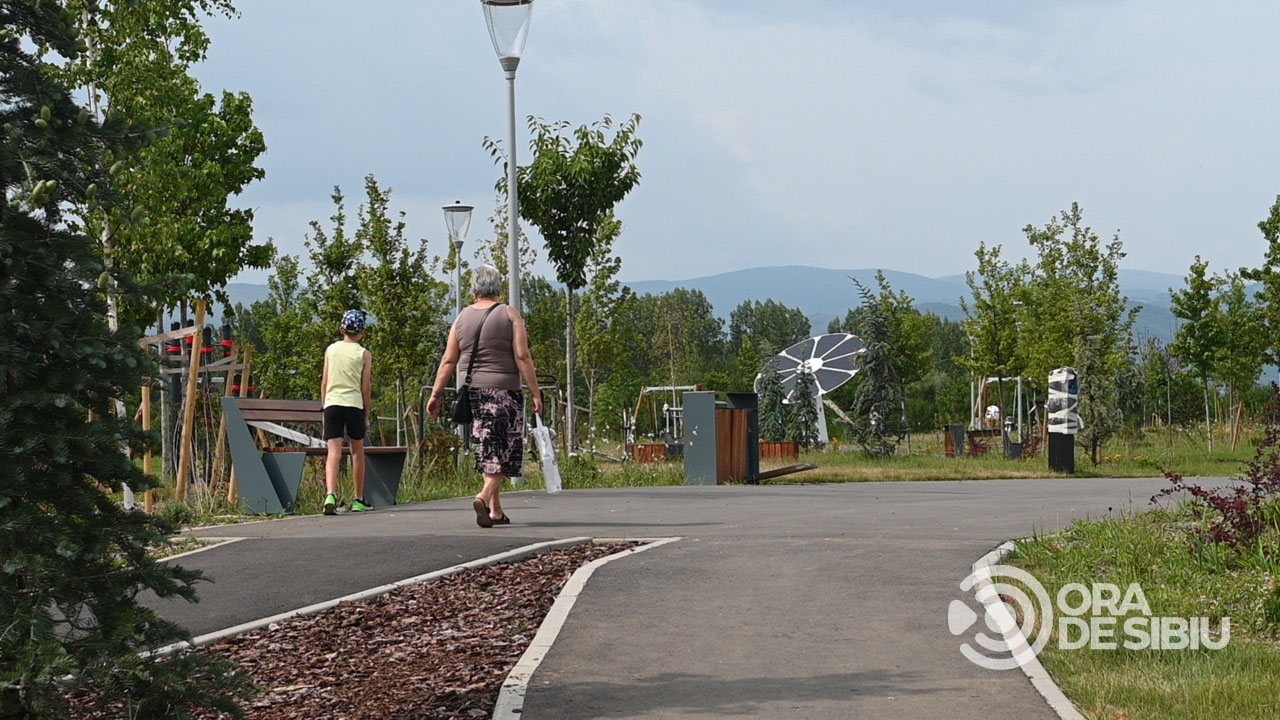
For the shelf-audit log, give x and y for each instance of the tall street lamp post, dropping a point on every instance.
(457, 217)
(508, 22)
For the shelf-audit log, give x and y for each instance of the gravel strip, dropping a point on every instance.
(437, 650)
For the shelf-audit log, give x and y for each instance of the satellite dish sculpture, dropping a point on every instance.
(831, 359)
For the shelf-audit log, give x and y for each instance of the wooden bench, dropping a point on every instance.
(268, 478)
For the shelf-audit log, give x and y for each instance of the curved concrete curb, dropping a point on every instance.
(211, 544)
(510, 704)
(508, 556)
(1035, 672)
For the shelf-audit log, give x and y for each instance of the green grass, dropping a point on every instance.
(1127, 455)
(1183, 577)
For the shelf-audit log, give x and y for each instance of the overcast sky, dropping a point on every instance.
(837, 133)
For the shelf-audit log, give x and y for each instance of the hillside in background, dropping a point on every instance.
(824, 294)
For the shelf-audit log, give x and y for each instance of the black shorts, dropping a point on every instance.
(342, 420)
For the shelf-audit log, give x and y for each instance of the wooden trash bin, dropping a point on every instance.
(731, 445)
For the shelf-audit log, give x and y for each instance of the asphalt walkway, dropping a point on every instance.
(824, 601)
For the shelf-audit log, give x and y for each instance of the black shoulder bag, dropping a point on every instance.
(462, 406)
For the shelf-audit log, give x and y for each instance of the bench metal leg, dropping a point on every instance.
(268, 484)
(285, 470)
(382, 478)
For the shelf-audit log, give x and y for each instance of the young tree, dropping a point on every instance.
(1073, 313)
(1268, 297)
(909, 338)
(878, 404)
(747, 366)
(802, 420)
(1198, 340)
(605, 335)
(773, 414)
(286, 366)
(1100, 415)
(73, 562)
(333, 286)
(1244, 342)
(402, 293)
(992, 317)
(569, 192)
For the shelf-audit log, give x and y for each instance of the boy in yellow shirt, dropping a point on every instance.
(346, 392)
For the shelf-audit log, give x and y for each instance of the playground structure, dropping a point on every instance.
(193, 365)
(668, 427)
(990, 423)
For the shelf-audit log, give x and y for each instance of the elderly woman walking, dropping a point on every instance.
(501, 358)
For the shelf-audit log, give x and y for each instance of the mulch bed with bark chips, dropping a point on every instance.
(441, 649)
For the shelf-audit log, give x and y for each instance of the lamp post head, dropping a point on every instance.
(508, 22)
(457, 217)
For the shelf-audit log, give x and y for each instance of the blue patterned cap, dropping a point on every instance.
(352, 322)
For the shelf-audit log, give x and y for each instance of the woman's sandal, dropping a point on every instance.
(504, 520)
(482, 513)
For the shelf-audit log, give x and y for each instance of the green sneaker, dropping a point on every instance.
(359, 505)
(330, 504)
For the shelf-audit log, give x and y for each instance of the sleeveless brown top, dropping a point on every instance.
(496, 358)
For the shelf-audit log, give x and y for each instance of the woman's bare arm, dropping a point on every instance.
(448, 364)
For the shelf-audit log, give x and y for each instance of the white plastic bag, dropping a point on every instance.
(547, 454)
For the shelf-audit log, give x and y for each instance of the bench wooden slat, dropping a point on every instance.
(279, 416)
(346, 450)
(268, 404)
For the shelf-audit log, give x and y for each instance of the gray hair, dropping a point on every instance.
(486, 281)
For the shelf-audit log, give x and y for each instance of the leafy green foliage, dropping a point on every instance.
(992, 314)
(1073, 314)
(202, 149)
(770, 326)
(570, 188)
(374, 268)
(569, 192)
(773, 415)
(878, 406)
(400, 290)
(1244, 336)
(802, 420)
(1269, 275)
(1199, 338)
(72, 562)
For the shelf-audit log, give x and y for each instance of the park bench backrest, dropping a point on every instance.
(281, 411)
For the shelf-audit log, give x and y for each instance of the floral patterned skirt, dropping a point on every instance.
(496, 430)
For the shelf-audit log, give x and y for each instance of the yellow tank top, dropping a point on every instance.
(346, 369)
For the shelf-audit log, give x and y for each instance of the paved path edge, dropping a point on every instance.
(1040, 678)
(508, 556)
(510, 705)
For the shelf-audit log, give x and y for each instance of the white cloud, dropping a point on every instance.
(835, 133)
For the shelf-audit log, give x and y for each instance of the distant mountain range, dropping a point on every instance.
(824, 294)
